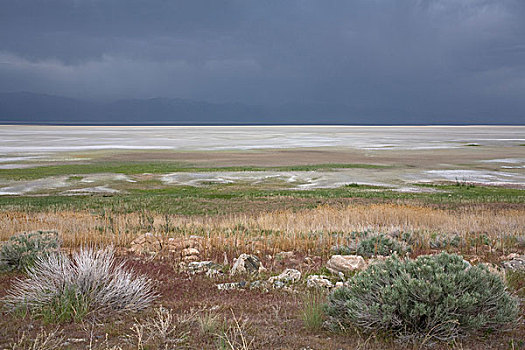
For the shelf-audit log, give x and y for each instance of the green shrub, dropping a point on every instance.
(439, 297)
(343, 250)
(516, 281)
(375, 244)
(444, 241)
(21, 251)
(381, 245)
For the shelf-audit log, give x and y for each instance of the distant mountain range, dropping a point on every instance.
(33, 108)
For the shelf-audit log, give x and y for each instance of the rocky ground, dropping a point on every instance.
(245, 302)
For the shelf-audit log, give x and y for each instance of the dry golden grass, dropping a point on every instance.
(309, 231)
(394, 217)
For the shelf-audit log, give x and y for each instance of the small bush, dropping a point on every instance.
(162, 331)
(444, 241)
(439, 297)
(343, 250)
(21, 251)
(210, 323)
(235, 336)
(516, 281)
(60, 289)
(379, 244)
(40, 341)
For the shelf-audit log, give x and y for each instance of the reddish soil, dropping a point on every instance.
(269, 320)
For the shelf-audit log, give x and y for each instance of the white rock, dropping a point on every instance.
(517, 263)
(287, 276)
(147, 243)
(318, 281)
(190, 251)
(246, 263)
(202, 267)
(212, 273)
(345, 264)
(190, 258)
(232, 285)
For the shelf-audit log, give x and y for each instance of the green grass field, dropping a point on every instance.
(131, 168)
(151, 194)
(217, 199)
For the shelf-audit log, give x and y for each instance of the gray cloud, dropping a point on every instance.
(439, 57)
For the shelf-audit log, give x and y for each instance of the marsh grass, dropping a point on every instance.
(211, 323)
(67, 306)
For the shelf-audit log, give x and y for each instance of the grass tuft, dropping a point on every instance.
(312, 313)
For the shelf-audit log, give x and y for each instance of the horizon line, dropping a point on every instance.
(257, 125)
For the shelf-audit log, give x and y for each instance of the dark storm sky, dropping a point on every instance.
(444, 56)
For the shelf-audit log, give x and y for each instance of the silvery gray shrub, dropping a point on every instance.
(91, 281)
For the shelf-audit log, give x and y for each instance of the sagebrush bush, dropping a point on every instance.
(59, 288)
(21, 251)
(444, 241)
(439, 297)
(378, 244)
(516, 281)
(381, 245)
(342, 249)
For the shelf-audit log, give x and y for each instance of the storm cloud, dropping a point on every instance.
(435, 58)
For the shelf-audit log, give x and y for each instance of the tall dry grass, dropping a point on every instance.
(306, 230)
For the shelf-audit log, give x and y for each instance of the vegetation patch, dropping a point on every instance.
(132, 168)
(21, 251)
(189, 200)
(440, 297)
(61, 289)
(443, 241)
(516, 281)
(312, 311)
(376, 244)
